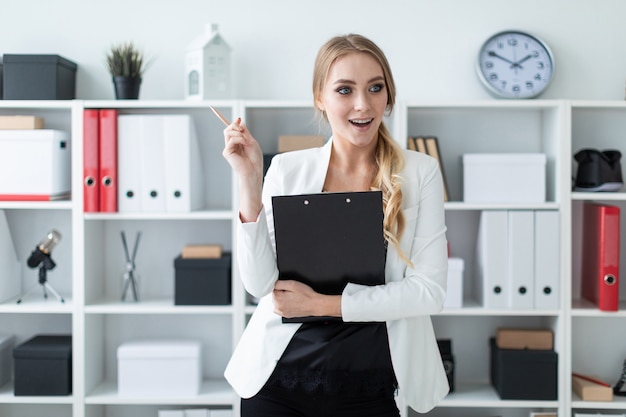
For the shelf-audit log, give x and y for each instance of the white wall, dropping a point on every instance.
(431, 44)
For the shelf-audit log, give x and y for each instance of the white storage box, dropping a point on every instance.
(454, 294)
(159, 368)
(7, 342)
(34, 165)
(504, 178)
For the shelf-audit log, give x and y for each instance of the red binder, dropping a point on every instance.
(91, 163)
(108, 160)
(600, 257)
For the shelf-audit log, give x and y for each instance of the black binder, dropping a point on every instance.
(326, 240)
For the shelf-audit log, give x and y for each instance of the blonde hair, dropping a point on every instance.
(388, 155)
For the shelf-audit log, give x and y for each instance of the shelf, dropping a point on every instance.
(461, 205)
(585, 308)
(156, 104)
(484, 395)
(91, 258)
(159, 306)
(38, 104)
(36, 304)
(194, 215)
(480, 311)
(36, 205)
(212, 392)
(606, 196)
(7, 396)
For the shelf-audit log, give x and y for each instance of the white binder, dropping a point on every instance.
(492, 259)
(159, 156)
(152, 164)
(521, 246)
(10, 277)
(547, 260)
(129, 160)
(183, 179)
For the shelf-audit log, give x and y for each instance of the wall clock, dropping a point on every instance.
(516, 65)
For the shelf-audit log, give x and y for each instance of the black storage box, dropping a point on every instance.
(445, 349)
(43, 366)
(38, 77)
(522, 374)
(203, 281)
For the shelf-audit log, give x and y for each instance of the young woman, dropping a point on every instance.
(385, 340)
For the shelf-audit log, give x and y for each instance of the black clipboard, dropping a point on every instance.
(326, 240)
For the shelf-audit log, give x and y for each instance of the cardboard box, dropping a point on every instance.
(590, 391)
(504, 178)
(297, 142)
(203, 281)
(523, 374)
(38, 77)
(43, 366)
(159, 368)
(20, 122)
(7, 342)
(34, 165)
(536, 339)
(454, 293)
(201, 252)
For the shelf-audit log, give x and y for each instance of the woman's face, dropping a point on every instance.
(354, 99)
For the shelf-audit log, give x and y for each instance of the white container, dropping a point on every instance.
(7, 342)
(454, 294)
(504, 178)
(34, 165)
(159, 368)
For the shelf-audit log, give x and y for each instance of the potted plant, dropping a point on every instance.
(126, 64)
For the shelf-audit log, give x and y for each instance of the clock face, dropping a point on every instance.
(514, 64)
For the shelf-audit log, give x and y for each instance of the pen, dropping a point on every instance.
(590, 379)
(220, 116)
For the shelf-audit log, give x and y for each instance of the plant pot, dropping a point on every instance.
(126, 87)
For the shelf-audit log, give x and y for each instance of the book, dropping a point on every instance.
(432, 148)
(410, 144)
(420, 145)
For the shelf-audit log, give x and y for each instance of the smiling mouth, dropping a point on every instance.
(361, 122)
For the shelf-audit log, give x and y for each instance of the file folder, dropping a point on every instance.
(329, 239)
(600, 257)
(183, 167)
(521, 245)
(108, 160)
(129, 163)
(547, 260)
(492, 259)
(91, 163)
(152, 166)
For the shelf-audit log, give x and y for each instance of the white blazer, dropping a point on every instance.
(405, 303)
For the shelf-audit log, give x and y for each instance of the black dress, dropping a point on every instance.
(337, 358)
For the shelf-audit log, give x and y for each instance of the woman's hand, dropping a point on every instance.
(244, 155)
(295, 299)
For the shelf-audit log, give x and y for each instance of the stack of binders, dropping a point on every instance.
(141, 163)
(518, 262)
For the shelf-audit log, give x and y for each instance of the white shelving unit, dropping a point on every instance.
(90, 257)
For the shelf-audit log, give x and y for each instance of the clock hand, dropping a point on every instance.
(495, 55)
(517, 64)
